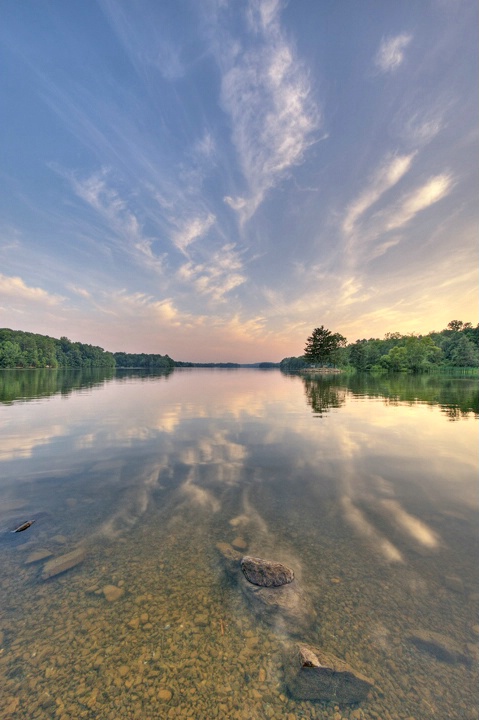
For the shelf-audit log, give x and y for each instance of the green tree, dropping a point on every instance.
(462, 352)
(395, 360)
(322, 346)
(421, 353)
(29, 351)
(292, 364)
(456, 325)
(10, 354)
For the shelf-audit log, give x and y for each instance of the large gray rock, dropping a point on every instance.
(285, 607)
(266, 573)
(62, 563)
(312, 674)
(440, 646)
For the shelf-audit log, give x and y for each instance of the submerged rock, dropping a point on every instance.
(112, 593)
(239, 543)
(24, 526)
(266, 573)
(454, 583)
(440, 646)
(62, 563)
(312, 674)
(283, 607)
(37, 555)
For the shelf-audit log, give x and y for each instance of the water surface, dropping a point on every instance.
(366, 487)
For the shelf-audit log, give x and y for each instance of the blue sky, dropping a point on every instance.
(214, 179)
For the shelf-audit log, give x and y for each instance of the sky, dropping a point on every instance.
(213, 180)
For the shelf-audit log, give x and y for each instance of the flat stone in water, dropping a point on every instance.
(37, 555)
(440, 646)
(62, 563)
(266, 573)
(312, 674)
(454, 583)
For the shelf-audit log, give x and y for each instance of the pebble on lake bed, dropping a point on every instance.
(239, 543)
(112, 593)
(165, 695)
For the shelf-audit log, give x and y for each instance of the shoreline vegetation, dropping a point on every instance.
(454, 350)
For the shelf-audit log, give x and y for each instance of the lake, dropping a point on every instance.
(366, 487)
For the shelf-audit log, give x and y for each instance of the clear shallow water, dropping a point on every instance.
(366, 487)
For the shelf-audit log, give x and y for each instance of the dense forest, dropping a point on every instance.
(457, 346)
(143, 361)
(29, 350)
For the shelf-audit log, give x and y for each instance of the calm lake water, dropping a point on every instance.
(366, 487)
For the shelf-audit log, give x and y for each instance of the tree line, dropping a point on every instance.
(457, 346)
(20, 349)
(143, 361)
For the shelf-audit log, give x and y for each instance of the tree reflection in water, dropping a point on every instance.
(456, 396)
(323, 393)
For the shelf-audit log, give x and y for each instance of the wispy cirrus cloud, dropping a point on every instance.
(266, 91)
(222, 273)
(118, 217)
(82, 292)
(135, 305)
(168, 60)
(15, 288)
(390, 54)
(422, 127)
(391, 170)
(192, 230)
(372, 217)
(428, 194)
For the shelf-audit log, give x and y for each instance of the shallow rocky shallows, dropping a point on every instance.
(151, 626)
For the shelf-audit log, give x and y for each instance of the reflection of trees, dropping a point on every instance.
(456, 396)
(123, 374)
(24, 385)
(323, 393)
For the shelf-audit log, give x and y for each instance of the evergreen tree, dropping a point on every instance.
(322, 345)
